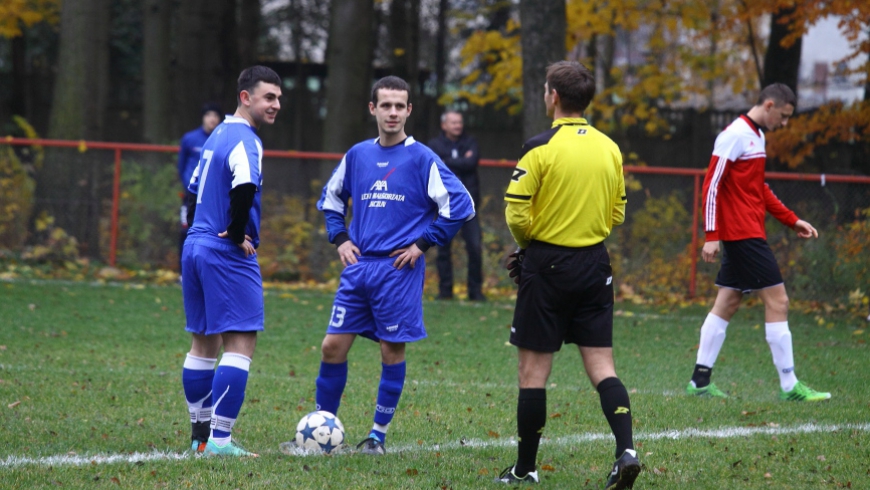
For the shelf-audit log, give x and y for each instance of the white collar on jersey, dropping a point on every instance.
(236, 120)
(408, 141)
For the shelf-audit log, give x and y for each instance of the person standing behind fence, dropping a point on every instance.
(459, 152)
(223, 289)
(188, 158)
(566, 194)
(736, 199)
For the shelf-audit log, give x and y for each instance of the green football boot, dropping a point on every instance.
(803, 393)
(710, 390)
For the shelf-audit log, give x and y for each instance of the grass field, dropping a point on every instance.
(91, 397)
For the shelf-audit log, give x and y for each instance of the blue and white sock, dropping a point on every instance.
(228, 391)
(330, 385)
(389, 392)
(196, 378)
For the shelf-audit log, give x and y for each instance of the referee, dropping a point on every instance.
(564, 197)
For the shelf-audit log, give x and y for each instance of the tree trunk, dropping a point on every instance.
(543, 26)
(405, 37)
(349, 57)
(157, 85)
(206, 64)
(19, 76)
(69, 183)
(781, 64)
(249, 32)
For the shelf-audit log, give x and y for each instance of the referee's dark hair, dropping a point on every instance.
(390, 83)
(251, 76)
(574, 83)
(779, 93)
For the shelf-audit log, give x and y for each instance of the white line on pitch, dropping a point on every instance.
(720, 433)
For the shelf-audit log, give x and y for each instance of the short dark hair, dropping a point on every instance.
(390, 83)
(574, 83)
(251, 76)
(212, 107)
(779, 93)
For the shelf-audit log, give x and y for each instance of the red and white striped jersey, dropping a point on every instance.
(735, 194)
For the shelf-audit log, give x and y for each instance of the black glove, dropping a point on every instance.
(515, 264)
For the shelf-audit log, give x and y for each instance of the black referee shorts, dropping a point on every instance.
(748, 265)
(565, 296)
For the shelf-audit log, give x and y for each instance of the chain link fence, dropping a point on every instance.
(121, 204)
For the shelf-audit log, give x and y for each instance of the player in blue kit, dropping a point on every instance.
(189, 151)
(405, 200)
(223, 290)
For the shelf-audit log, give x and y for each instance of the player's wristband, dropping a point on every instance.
(341, 238)
(422, 244)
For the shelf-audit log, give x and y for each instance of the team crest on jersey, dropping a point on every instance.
(518, 174)
(379, 186)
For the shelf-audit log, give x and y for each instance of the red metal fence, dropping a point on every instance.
(119, 148)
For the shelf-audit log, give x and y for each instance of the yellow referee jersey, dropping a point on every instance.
(568, 188)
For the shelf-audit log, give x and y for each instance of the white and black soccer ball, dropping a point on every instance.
(319, 432)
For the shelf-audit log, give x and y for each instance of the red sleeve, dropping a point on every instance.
(777, 209)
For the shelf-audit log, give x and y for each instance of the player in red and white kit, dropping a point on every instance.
(736, 199)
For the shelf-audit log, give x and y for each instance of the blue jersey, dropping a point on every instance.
(231, 156)
(400, 194)
(188, 154)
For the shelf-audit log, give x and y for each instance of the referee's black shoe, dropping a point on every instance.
(625, 471)
(508, 476)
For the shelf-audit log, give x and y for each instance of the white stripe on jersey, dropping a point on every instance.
(332, 201)
(240, 166)
(259, 162)
(437, 192)
(710, 212)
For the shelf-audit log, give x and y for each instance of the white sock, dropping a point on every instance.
(779, 338)
(712, 338)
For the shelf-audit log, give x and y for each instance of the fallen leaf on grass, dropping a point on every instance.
(14, 404)
(768, 475)
(412, 471)
(555, 415)
(820, 458)
(493, 434)
(547, 467)
(483, 471)
(660, 471)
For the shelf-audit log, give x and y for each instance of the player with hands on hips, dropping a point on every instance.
(405, 200)
(222, 287)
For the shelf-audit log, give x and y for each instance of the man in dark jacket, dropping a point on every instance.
(459, 152)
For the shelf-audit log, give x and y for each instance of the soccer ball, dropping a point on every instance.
(319, 432)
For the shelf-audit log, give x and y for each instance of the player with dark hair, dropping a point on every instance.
(570, 180)
(223, 289)
(736, 199)
(404, 201)
(458, 150)
(188, 158)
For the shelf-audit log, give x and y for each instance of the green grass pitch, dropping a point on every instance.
(90, 397)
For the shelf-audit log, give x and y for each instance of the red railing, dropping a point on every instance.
(118, 148)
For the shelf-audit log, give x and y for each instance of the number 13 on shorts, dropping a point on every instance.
(337, 319)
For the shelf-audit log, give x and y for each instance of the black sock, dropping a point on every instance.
(531, 418)
(617, 409)
(701, 376)
(199, 431)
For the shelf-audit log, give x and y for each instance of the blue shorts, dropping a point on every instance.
(223, 290)
(380, 302)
